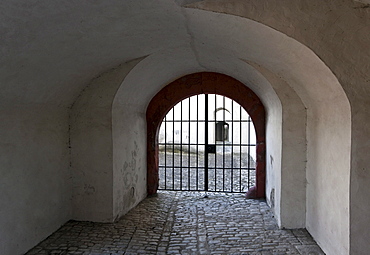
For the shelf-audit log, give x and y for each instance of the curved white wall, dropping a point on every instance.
(287, 77)
(35, 187)
(290, 64)
(91, 147)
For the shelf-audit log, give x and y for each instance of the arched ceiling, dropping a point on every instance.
(51, 50)
(337, 31)
(234, 46)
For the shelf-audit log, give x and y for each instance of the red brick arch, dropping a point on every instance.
(204, 83)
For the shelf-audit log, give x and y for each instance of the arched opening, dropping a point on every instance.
(207, 142)
(204, 83)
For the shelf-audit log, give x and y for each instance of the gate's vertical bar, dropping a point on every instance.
(173, 148)
(206, 144)
(215, 166)
(223, 149)
(165, 152)
(181, 145)
(189, 147)
(232, 145)
(197, 144)
(240, 149)
(249, 149)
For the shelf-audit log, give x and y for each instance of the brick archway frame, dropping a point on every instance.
(205, 83)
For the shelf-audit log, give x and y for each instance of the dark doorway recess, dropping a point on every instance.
(197, 84)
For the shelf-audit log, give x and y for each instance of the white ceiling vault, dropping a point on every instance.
(51, 50)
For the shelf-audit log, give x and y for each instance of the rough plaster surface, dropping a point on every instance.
(367, 2)
(92, 147)
(327, 166)
(129, 169)
(51, 50)
(290, 179)
(34, 183)
(273, 160)
(360, 176)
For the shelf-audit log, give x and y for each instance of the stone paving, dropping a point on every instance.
(183, 223)
(227, 172)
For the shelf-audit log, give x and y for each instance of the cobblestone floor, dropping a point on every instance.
(183, 223)
(226, 172)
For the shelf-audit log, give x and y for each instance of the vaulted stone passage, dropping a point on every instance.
(76, 81)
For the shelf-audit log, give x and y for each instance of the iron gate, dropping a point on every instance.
(207, 142)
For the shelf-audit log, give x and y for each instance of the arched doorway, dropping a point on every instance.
(204, 83)
(207, 142)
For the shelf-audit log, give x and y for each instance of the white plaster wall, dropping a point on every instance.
(290, 179)
(34, 184)
(327, 177)
(294, 158)
(273, 159)
(92, 147)
(148, 76)
(129, 169)
(360, 176)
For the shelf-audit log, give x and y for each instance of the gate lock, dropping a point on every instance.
(211, 148)
(222, 131)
